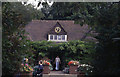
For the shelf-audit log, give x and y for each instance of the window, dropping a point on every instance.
(51, 37)
(63, 37)
(57, 38)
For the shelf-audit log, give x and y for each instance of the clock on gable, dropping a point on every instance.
(57, 29)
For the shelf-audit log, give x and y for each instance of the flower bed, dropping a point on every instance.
(26, 70)
(84, 69)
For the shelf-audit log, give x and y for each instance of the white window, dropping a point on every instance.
(63, 37)
(51, 37)
(57, 38)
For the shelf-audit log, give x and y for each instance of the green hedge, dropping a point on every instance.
(72, 50)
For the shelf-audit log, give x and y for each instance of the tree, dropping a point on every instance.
(28, 11)
(46, 10)
(15, 45)
(105, 23)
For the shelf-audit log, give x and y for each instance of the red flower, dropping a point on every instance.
(46, 63)
(71, 62)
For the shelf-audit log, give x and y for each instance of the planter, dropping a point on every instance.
(26, 74)
(46, 69)
(73, 69)
(81, 74)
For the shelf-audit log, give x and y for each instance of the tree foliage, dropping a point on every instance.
(28, 11)
(15, 45)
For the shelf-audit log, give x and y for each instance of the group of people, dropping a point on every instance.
(57, 63)
(39, 68)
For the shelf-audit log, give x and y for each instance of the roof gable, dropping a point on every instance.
(57, 30)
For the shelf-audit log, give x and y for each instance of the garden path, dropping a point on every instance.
(59, 74)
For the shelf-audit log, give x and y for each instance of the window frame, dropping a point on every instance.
(52, 37)
(61, 37)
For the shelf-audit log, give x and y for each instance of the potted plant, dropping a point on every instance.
(46, 65)
(73, 65)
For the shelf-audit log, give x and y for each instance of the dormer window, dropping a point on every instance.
(57, 38)
(57, 33)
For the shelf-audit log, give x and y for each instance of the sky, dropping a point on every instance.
(35, 3)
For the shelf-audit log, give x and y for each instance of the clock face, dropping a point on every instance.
(57, 29)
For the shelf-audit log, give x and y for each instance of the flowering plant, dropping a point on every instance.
(26, 68)
(85, 68)
(46, 63)
(73, 63)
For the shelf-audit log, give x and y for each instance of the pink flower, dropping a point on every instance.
(26, 64)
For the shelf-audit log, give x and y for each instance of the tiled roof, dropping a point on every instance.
(38, 29)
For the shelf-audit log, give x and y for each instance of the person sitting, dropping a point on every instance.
(40, 69)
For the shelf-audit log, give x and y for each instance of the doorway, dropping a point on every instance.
(52, 57)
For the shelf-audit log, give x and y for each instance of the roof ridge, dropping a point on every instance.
(56, 20)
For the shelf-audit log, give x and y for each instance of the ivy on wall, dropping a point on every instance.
(72, 50)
